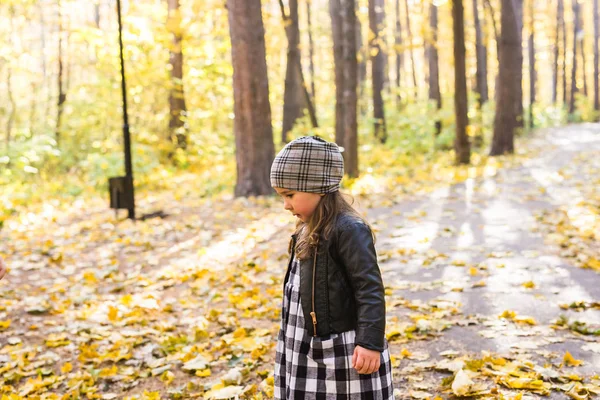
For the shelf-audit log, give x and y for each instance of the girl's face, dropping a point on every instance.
(301, 204)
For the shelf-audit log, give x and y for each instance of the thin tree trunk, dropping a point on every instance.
(561, 8)
(433, 58)
(62, 96)
(596, 38)
(337, 25)
(556, 55)
(412, 53)
(252, 124)
(574, 64)
(583, 62)
(311, 50)
(294, 102)
(350, 89)
(378, 56)
(177, 107)
(519, 76)
(399, 58)
(461, 141)
(362, 54)
(481, 86)
(510, 78)
(490, 8)
(532, 72)
(13, 106)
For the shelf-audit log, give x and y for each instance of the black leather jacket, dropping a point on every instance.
(341, 287)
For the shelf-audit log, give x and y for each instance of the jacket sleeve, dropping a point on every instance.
(357, 253)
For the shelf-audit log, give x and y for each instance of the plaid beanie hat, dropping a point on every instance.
(308, 164)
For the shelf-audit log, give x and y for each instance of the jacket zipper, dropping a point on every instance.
(313, 314)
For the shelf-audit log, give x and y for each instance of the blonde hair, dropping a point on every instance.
(322, 222)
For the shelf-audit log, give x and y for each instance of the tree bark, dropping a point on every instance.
(461, 141)
(532, 71)
(337, 25)
(311, 50)
(556, 54)
(574, 64)
(481, 86)
(412, 53)
(378, 56)
(596, 38)
(510, 78)
(177, 107)
(399, 58)
(62, 96)
(252, 125)
(433, 59)
(294, 102)
(561, 8)
(350, 88)
(583, 61)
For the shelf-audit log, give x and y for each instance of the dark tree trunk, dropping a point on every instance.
(362, 54)
(294, 102)
(510, 78)
(177, 108)
(433, 59)
(62, 96)
(311, 50)
(412, 53)
(574, 65)
(481, 86)
(350, 88)
(461, 141)
(561, 8)
(596, 37)
(399, 58)
(532, 72)
(378, 56)
(337, 26)
(556, 54)
(252, 125)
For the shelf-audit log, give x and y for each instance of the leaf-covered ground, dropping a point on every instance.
(492, 283)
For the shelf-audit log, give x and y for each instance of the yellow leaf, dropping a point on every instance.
(167, 377)
(4, 325)
(126, 300)
(65, 369)
(570, 361)
(113, 314)
(507, 314)
(203, 373)
(529, 285)
(90, 277)
(405, 353)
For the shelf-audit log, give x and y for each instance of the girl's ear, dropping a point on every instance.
(321, 194)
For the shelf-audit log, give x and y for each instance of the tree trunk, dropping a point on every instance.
(62, 96)
(177, 108)
(532, 72)
(294, 102)
(510, 78)
(337, 25)
(378, 56)
(596, 37)
(412, 53)
(311, 50)
(433, 59)
(362, 54)
(481, 86)
(556, 54)
(252, 125)
(583, 62)
(399, 58)
(461, 141)
(350, 90)
(574, 65)
(561, 8)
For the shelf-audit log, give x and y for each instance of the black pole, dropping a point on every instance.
(126, 135)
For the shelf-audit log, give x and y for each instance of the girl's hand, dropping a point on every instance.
(3, 268)
(365, 361)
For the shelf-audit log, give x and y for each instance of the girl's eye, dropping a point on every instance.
(289, 195)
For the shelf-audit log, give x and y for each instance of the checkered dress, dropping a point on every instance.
(320, 368)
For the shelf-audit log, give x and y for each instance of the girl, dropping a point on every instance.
(332, 339)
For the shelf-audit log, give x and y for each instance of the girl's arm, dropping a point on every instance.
(357, 252)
